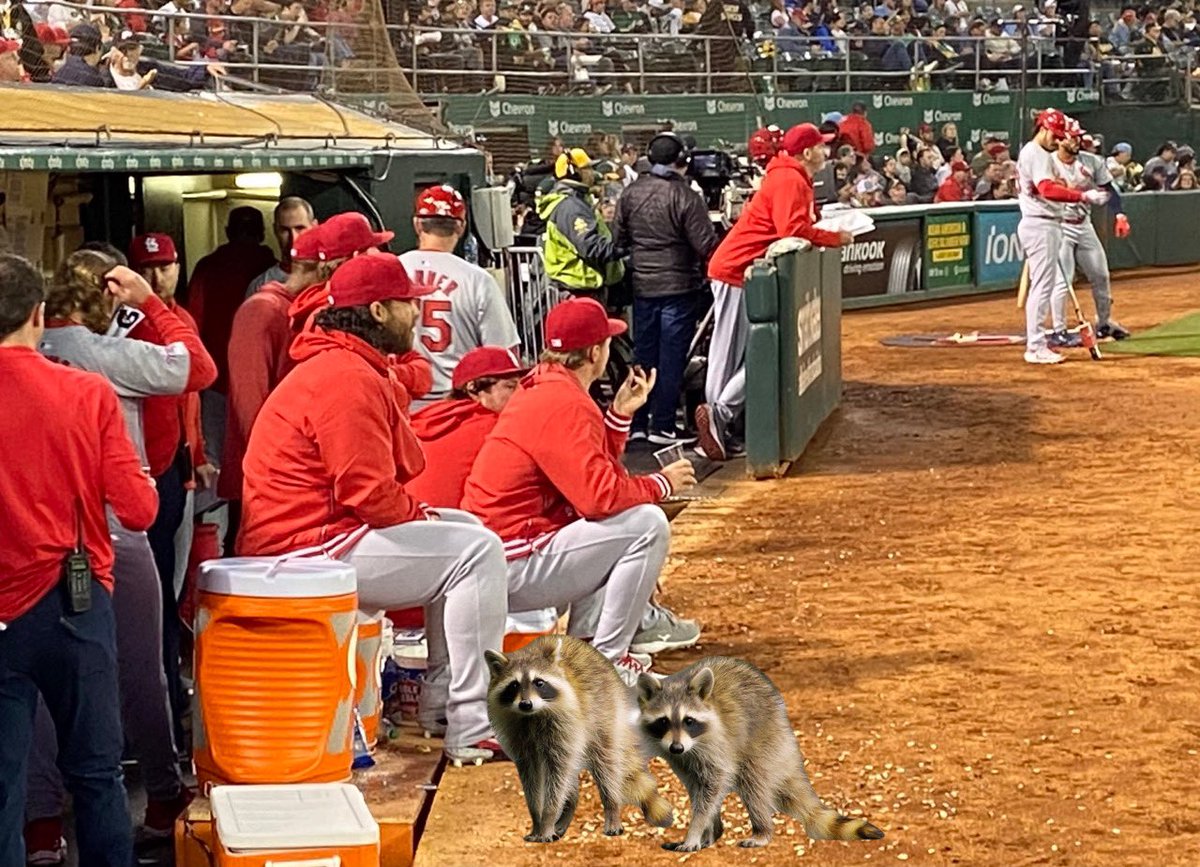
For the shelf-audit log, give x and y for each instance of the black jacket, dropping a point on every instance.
(664, 223)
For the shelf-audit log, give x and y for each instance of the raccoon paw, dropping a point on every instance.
(542, 838)
(869, 832)
(754, 842)
(614, 832)
(683, 846)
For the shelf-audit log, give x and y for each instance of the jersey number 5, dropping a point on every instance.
(435, 322)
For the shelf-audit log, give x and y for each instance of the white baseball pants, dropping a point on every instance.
(725, 382)
(455, 569)
(1041, 240)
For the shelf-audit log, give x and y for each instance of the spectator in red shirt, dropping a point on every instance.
(56, 481)
(452, 431)
(782, 208)
(259, 359)
(957, 187)
(857, 131)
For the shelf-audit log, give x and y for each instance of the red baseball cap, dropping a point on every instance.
(578, 323)
(343, 235)
(367, 279)
(959, 166)
(307, 246)
(486, 361)
(9, 45)
(153, 249)
(441, 201)
(802, 137)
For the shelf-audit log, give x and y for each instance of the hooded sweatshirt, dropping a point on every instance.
(552, 459)
(330, 452)
(451, 434)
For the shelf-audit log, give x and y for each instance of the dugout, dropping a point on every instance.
(82, 165)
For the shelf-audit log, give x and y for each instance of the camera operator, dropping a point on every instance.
(782, 208)
(665, 226)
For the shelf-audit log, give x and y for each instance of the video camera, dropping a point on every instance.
(723, 180)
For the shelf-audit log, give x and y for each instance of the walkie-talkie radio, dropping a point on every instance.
(77, 573)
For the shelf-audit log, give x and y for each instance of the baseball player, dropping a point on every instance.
(1042, 195)
(1083, 171)
(464, 308)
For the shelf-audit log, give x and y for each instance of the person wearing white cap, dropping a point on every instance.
(1122, 167)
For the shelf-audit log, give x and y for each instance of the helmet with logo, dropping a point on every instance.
(1074, 128)
(764, 144)
(441, 201)
(1053, 120)
(569, 163)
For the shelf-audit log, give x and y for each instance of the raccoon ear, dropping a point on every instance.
(496, 661)
(701, 684)
(647, 687)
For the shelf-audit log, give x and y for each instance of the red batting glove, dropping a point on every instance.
(1121, 226)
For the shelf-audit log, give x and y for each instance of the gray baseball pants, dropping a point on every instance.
(145, 709)
(725, 383)
(1041, 240)
(614, 563)
(1081, 244)
(455, 569)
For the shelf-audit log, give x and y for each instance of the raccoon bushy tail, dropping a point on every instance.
(643, 791)
(821, 822)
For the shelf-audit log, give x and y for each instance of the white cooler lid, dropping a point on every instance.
(298, 816)
(274, 577)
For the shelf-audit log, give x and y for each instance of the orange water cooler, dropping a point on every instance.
(524, 627)
(368, 683)
(276, 643)
(325, 825)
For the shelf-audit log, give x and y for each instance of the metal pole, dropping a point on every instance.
(641, 66)
(978, 60)
(708, 65)
(171, 37)
(1024, 107)
(847, 54)
(254, 48)
(415, 85)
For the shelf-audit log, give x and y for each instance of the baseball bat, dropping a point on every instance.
(1086, 335)
(1023, 285)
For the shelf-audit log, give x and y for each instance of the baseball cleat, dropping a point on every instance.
(710, 443)
(629, 669)
(663, 630)
(484, 751)
(1043, 355)
(670, 438)
(1113, 329)
(1061, 339)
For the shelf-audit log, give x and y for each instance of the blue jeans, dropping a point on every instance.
(663, 329)
(71, 659)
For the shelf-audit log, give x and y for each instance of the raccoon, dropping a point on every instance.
(558, 706)
(722, 726)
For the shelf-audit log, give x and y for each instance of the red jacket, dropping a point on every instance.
(451, 434)
(857, 132)
(552, 459)
(217, 289)
(782, 208)
(169, 420)
(52, 472)
(951, 190)
(258, 361)
(330, 451)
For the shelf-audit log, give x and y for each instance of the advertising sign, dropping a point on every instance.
(998, 254)
(947, 250)
(886, 261)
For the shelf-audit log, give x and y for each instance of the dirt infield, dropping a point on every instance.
(978, 594)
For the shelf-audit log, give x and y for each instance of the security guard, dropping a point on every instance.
(581, 256)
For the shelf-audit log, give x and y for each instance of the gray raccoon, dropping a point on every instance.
(722, 726)
(557, 707)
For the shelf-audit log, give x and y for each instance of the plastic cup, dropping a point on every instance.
(669, 455)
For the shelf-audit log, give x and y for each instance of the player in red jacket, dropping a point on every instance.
(857, 131)
(452, 431)
(326, 468)
(549, 481)
(782, 208)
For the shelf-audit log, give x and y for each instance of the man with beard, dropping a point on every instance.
(325, 470)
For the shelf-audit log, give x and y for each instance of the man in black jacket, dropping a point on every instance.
(665, 225)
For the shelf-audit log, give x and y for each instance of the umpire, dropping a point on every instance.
(664, 224)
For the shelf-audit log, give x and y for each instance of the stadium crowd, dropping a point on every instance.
(587, 43)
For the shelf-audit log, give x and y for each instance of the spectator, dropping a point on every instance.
(81, 68)
(943, 172)
(259, 359)
(293, 215)
(782, 208)
(897, 194)
(857, 131)
(452, 430)
(947, 143)
(1154, 180)
(59, 647)
(16, 25)
(957, 187)
(1186, 180)
(904, 166)
(992, 174)
(665, 226)
(1119, 164)
(218, 287)
(1163, 159)
(486, 19)
(462, 307)
(630, 19)
(328, 459)
(597, 17)
(549, 480)
(123, 60)
(924, 184)
(11, 71)
(1124, 30)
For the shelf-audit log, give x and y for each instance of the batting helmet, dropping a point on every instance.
(1053, 120)
(764, 143)
(441, 201)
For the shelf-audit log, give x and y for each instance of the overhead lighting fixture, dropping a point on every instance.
(258, 181)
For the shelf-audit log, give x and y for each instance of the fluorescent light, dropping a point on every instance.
(258, 181)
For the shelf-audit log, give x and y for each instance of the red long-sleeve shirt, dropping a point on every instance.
(64, 455)
(169, 420)
(551, 459)
(857, 132)
(330, 451)
(782, 208)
